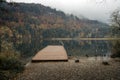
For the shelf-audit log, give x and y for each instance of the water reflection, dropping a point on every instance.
(83, 47)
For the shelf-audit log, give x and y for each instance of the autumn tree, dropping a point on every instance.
(115, 30)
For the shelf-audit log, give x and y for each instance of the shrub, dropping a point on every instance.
(9, 66)
(116, 49)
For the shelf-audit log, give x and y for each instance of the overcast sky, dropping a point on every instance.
(92, 9)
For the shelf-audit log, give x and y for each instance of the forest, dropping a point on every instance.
(26, 25)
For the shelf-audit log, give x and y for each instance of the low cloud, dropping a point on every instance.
(92, 9)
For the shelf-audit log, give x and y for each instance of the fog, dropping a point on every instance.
(91, 9)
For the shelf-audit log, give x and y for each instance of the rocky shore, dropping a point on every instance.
(91, 68)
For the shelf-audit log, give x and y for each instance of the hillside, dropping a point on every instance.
(24, 26)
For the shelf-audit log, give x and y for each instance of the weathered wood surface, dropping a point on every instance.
(51, 53)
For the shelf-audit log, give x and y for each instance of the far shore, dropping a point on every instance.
(110, 39)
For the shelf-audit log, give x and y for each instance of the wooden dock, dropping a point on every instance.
(51, 53)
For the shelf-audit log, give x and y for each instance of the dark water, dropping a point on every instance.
(83, 47)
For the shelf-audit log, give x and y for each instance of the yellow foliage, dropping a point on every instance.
(5, 30)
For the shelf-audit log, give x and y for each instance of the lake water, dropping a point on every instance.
(84, 47)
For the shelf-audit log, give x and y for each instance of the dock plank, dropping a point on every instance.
(51, 53)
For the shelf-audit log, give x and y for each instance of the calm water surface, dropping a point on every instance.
(83, 46)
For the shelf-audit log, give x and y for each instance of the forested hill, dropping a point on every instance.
(24, 26)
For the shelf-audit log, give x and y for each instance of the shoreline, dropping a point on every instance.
(87, 69)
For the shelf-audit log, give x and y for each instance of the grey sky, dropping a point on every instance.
(92, 9)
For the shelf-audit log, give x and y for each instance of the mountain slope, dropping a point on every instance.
(26, 25)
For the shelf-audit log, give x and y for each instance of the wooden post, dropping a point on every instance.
(0, 43)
